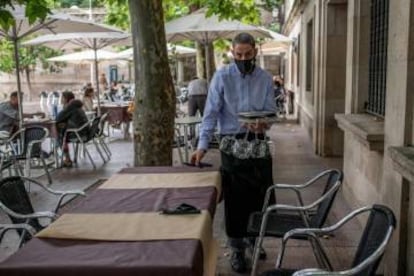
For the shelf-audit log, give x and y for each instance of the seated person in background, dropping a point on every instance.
(280, 94)
(9, 116)
(102, 82)
(88, 99)
(72, 116)
(113, 92)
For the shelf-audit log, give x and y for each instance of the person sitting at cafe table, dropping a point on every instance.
(9, 116)
(88, 99)
(113, 92)
(72, 116)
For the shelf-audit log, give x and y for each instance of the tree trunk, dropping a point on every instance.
(201, 60)
(212, 60)
(155, 97)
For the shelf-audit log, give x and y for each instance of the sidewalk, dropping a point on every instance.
(294, 162)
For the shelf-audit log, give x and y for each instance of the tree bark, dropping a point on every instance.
(154, 93)
(201, 60)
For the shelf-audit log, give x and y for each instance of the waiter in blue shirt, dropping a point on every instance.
(239, 87)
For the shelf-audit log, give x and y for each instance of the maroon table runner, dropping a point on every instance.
(146, 200)
(53, 257)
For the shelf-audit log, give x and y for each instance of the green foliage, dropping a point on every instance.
(243, 10)
(28, 56)
(70, 3)
(271, 4)
(35, 10)
(174, 9)
(6, 56)
(117, 14)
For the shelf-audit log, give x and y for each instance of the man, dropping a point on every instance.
(197, 95)
(9, 116)
(239, 87)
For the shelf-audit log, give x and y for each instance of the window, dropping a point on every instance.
(378, 58)
(309, 55)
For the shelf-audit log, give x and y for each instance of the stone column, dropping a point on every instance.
(357, 55)
(396, 191)
(331, 91)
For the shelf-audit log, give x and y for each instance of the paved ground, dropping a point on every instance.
(294, 162)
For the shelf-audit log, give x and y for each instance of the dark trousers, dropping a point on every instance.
(245, 182)
(196, 102)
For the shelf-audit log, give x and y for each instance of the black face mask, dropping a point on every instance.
(245, 66)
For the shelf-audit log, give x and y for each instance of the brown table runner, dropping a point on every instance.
(51, 257)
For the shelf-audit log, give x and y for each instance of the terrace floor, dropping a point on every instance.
(293, 162)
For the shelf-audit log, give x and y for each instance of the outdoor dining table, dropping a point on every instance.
(117, 115)
(118, 229)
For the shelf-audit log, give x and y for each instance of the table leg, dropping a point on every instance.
(185, 143)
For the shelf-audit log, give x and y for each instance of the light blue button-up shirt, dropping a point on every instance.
(229, 94)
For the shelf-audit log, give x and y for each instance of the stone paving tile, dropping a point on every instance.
(294, 162)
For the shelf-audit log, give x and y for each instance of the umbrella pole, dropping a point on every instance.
(19, 88)
(261, 57)
(97, 78)
(207, 62)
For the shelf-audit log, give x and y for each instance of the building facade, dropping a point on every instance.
(351, 67)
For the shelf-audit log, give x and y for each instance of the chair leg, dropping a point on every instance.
(256, 251)
(99, 150)
(85, 150)
(105, 147)
(320, 254)
(178, 144)
(49, 178)
(75, 153)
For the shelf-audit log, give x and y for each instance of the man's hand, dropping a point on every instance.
(197, 156)
(257, 127)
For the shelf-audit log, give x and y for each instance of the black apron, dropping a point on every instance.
(244, 184)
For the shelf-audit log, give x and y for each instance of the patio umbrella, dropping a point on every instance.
(198, 27)
(54, 23)
(277, 44)
(88, 56)
(177, 49)
(93, 41)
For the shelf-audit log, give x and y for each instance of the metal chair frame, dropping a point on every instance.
(24, 227)
(22, 212)
(370, 262)
(306, 212)
(83, 141)
(100, 136)
(20, 148)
